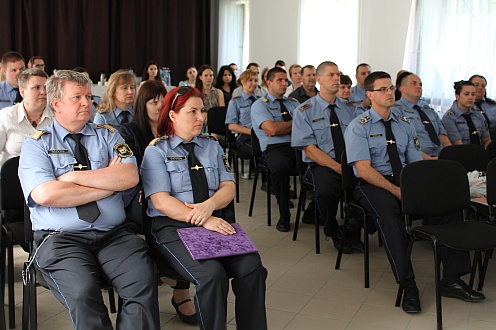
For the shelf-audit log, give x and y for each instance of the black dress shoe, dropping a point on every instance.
(462, 291)
(336, 241)
(292, 194)
(411, 300)
(283, 225)
(189, 319)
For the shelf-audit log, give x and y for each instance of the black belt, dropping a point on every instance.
(314, 165)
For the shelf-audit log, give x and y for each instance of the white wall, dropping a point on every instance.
(382, 33)
(274, 31)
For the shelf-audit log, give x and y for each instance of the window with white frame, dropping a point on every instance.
(329, 32)
(453, 40)
(233, 32)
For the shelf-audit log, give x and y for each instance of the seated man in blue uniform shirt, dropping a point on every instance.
(272, 117)
(12, 64)
(358, 91)
(73, 174)
(430, 130)
(378, 169)
(318, 128)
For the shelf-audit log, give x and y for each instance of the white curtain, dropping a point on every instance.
(329, 32)
(232, 35)
(453, 40)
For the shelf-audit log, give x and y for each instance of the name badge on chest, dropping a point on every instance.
(176, 158)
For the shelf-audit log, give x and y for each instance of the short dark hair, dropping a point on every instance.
(321, 67)
(371, 78)
(458, 85)
(11, 57)
(252, 64)
(32, 59)
(280, 63)
(359, 65)
(23, 77)
(345, 80)
(306, 67)
(272, 72)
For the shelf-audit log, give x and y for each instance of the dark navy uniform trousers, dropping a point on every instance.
(74, 263)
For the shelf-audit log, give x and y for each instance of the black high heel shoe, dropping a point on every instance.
(190, 319)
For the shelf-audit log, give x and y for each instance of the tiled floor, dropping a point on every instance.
(304, 291)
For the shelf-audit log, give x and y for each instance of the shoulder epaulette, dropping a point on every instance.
(350, 104)
(404, 119)
(208, 136)
(237, 97)
(426, 106)
(265, 100)
(396, 105)
(154, 141)
(293, 99)
(450, 113)
(303, 107)
(476, 108)
(38, 134)
(107, 126)
(365, 119)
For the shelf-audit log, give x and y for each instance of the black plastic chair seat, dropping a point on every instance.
(463, 235)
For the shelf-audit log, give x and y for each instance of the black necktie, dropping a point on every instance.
(284, 112)
(392, 150)
(479, 105)
(428, 125)
(199, 182)
(125, 118)
(252, 99)
(88, 212)
(474, 133)
(337, 134)
(18, 98)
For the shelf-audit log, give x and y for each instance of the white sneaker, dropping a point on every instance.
(245, 175)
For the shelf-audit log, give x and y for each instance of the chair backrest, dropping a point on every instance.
(491, 150)
(217, 120)
(491, 182)
(255, 144)
(11, 197)
(434, 188)
(472, 156)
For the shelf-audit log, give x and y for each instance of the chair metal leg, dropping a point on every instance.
(253, 190)
(482, 272)
(437, 260)
(10, 279)
(476, 262)
(366, 260)
(269, 206)
(236, 169)
(301, 201)
(317, 228)
(111, 296)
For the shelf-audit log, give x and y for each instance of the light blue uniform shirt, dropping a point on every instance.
(165, 169)
(113, 118)
(357, 93)
(405, 108)
(239, 111)
(457, 127)
(490, 111)
(365, 139)
(311, 125)
(51, 156)
(7, 95)
(268, 108)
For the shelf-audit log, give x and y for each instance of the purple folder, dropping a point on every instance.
(206, 244)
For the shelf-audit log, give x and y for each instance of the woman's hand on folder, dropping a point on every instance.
(219, 225)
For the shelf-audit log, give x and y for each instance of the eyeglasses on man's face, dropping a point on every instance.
(384, 89)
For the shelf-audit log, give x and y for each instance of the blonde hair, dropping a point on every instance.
(119, 77)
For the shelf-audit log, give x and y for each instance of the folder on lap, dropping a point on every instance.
(205, 244)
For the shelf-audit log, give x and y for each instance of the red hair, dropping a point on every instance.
(165, 126)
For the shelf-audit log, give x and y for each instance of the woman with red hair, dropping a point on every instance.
(186, 178)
